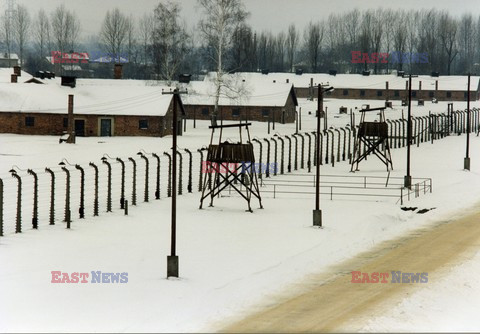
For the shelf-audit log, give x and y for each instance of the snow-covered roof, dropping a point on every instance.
(92, 96)
(4, 55)
(6, 74)
(358, 81)
(238, 89)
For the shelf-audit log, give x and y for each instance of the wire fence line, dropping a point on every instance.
(73, 192)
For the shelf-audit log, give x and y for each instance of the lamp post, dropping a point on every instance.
(172, 260)
(317, 213)
(466, 163)
(408, 177)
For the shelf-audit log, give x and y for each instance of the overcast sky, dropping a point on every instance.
(273, 15)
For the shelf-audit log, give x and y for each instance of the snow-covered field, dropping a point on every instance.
(230, 260)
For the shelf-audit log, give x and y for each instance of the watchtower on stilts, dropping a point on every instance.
(230, 165)
(374, 137)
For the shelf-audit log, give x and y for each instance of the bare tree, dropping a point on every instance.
(42, 33)
(466, 42)
(279, 52)
(291, 44)
(21, 27)
(114, 32)
(313, 36)
(65, 28)
(170, 40)
(146, 36)
(221, 19)
(447, 32)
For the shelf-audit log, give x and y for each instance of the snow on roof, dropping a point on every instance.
(4, 55)
(6, 74)
(358, 81)
(92, 97)
(238, 89)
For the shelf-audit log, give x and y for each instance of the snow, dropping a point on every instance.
(238, 90)
(373, 81)
(230, 261)
(91, 97)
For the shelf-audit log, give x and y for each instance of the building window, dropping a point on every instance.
(29, 121)
(379, 93)
(205, 111)
(65, 122)
(449, 94)
(143, 124)
(236, 112)
(345, 92)
(362, 93)
(414, 94)
(397, 93)
(465, 95)
(431, 94)
(265, 112)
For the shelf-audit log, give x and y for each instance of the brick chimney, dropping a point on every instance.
(288, 80)
(13, 78)
(118, 71)
(436, 85)
(71, 124)
(419, 85)
(17, 70)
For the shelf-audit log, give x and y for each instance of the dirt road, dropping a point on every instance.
(331, 303)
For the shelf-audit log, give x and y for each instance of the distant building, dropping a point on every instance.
(6, 61)
(242, 98)
(101, 107)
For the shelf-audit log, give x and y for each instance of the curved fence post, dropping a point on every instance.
(275, 156)
(169, 186)
(326, 147)
(282, 158)
(157, 189)
(309, 155)
(95, 199)
(134, 181)
(315, 149)
(18, 223)
(122, 183)
(333, 148)
(180, 176)
(67, 217)
(338, 145)
(349, 153)
(35, 199)
(1, 208)
(260, 159)
(201, 169)
(81, 209)
(52, 195)
(190, 162)
(267, 169)
(302, 156)
(147, 167)
(295, 163)
(289, 167)
(109, 184)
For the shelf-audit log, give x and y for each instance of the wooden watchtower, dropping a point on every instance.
(230, 164)
(373, 136)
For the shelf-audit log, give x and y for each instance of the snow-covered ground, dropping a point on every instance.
(230, 260)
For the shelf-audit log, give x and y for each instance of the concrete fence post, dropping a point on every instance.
(295, 163)
(109, 185)
(67, 216)
(190, 167)
(201, 169)
(267, 169)
(52, 196)
(35, 199)
(157, 186)
(169, 185)
(309, 155)
(81, 209)
(18, 222)
(1, 208)
(147, 169)
(122, 183)
(95, 199)
(180, 173)
(275, 144)
(289, 166)
(134, 181)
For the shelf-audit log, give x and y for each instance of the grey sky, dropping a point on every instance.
(273, 15)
